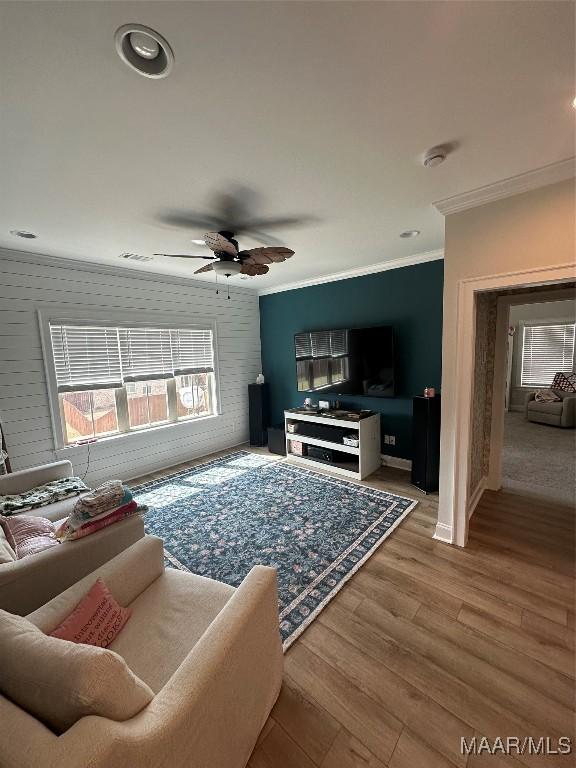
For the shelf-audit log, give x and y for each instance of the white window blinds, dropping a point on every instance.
(85, 357)
(546, 350)
(146, 353)
(192, 350)
(97, 357)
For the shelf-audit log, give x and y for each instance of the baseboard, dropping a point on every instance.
(395, 461)
(443, 533)
(476, 496)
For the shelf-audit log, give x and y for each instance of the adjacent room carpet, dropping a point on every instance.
(539, 459)
(220, 518)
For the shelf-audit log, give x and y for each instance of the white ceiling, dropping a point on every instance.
(323, 108)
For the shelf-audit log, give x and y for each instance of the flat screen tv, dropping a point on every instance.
(346, 361)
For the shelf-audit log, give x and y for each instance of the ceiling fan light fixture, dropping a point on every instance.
(226, 268)
(144, 50)
(198, 241)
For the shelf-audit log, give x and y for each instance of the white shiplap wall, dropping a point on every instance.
(28, 283)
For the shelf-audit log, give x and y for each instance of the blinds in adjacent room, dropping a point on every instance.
(97, 357)
(546, 350)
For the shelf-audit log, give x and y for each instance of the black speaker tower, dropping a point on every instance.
(259, 409)
(426, 443)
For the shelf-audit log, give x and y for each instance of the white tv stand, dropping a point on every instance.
(356, 463)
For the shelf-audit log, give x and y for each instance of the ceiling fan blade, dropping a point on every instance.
(219, 244)
(267, 255)
(205, 268)
(254, 269)
(184, 256)
(198, 221)
(279, 222)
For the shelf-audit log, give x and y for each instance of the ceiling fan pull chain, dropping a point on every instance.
(228, 285)
(217, 291)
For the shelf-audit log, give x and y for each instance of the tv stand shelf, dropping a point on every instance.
(352, 462)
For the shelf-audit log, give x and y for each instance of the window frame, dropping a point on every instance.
(523, 325)
(130, 319)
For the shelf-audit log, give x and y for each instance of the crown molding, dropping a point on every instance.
(515, 185)
(111, 269)
(370, 269)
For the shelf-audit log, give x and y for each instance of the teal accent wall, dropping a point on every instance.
(409, 299)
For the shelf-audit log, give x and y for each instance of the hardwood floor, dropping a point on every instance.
(429, 643)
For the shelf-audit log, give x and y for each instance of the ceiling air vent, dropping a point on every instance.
(135, 257)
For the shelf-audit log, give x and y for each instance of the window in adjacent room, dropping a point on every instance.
(546, 350)
(112, 380)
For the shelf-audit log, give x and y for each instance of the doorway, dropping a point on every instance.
(539, 443)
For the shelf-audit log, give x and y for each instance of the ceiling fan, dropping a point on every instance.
(228, 260)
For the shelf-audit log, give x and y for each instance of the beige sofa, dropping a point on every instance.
(210, 653)
(559, 413)
(29, 583)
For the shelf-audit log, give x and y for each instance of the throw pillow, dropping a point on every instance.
(566, 382)
(96, 620)
(28, 534)
(59, 682)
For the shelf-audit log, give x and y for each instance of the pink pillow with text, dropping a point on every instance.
(96, 620)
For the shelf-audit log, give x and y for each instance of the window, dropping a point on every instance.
(546, 350)
(112, 380)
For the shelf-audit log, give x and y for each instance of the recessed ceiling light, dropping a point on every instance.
(199, 242)
(23, 233)
(144, 50)
(410, 233)
(574, 103)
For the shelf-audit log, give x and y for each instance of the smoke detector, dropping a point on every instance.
(434, 157)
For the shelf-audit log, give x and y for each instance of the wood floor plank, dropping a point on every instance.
(546, 652)
(348, 752)
(411, 752)
(540, 678)
(409, 563)
(360, 715)
(548, 630)
(278, 749)
(421, 591)
(385, 593)
(529, 578)
(458, 681)
(433, 723)
(311, 726)
(492, 585)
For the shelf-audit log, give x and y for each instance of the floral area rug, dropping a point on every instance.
(220, 518)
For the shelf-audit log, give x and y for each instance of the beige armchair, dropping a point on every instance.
(211, 654)
(29, 583)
